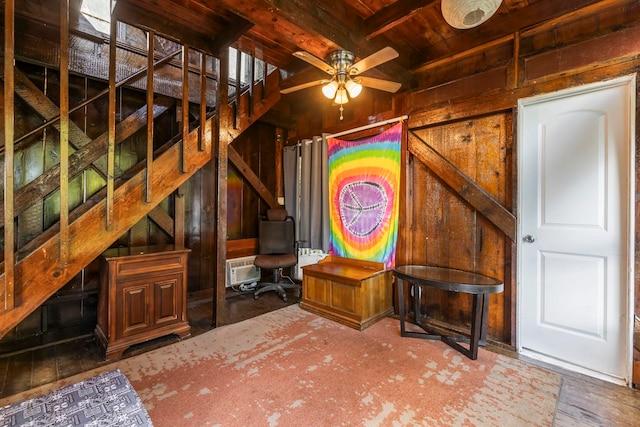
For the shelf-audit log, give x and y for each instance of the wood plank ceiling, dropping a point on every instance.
(273, 29)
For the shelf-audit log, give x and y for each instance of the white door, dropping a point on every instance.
(575, 233)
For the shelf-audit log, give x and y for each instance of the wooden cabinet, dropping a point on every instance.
(142, 296)
(353, 292)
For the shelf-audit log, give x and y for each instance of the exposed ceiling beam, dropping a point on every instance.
(392, 15)
(308, 20)
(48, 13)
(212, 43)
(515, 21)
(142, 18)
(238, 26)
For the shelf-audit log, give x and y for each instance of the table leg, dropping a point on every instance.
(401, 287)
(428, 334)
(477, 324)
(417, 301)
(485, 319)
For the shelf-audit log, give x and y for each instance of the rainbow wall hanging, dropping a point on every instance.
(364, 180)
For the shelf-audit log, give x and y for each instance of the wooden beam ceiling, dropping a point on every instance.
(213, 42)
(272, 30)
(339, 28)
(510, 24)
(393, 15)
(48, 13)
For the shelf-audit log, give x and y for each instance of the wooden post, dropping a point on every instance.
(150, 70)
(185, 105)
(516, 60)
(9, 120)
(223, 139)
(64, 132)
(252, 80)
(179, 215)
(111, 122)
(209, 203)
(236, 95)
(203, 100)
(279, 145)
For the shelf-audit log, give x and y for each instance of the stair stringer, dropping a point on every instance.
(40, 274)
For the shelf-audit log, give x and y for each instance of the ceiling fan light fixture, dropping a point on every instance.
(341, 96)
(346, 81)
(354, 88)
(465, 14)
(329, 90)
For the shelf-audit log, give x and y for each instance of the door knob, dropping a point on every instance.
(529, 238)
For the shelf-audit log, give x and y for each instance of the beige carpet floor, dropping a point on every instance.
(293, 368)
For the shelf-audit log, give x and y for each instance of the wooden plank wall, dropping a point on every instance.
(445, 229)
(470, 121)
(257, 147)
(244, 206)
(465, 110)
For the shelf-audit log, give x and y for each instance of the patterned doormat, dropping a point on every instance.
(105, 400)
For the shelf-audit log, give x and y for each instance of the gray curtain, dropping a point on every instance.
(290, 166)
(308, 195)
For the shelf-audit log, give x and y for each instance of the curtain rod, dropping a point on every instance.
(369, 126)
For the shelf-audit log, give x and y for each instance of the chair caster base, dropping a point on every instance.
(280, 288)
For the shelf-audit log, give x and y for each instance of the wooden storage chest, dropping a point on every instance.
(355, 293)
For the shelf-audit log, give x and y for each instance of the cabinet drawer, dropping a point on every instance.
(149, 265)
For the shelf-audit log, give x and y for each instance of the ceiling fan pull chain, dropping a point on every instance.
(341, 109)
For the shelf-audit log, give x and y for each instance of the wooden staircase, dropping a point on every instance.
(52, 261)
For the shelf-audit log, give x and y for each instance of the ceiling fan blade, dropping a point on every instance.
(386, 85)
(302, 86)
(373, 60)
(315, 61)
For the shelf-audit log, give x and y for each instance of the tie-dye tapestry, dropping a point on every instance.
(364, 178)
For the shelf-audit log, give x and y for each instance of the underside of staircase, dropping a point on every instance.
(41, 273)
(43, 266)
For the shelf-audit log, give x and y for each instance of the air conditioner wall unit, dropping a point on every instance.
(241, 271)
(307, 256)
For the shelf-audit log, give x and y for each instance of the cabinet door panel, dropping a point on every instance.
(166, 300)
(344, 297)
(315, 289)
(134, 298)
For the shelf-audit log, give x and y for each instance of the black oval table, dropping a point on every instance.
(448, 279)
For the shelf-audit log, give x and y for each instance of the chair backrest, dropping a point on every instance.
(276, 233)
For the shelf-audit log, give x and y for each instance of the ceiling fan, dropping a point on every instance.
(346, 81)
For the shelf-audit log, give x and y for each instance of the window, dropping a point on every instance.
(97, 14)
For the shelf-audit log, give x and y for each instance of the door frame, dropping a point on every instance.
(629, 80)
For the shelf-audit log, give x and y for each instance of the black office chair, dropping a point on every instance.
(277, 250)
